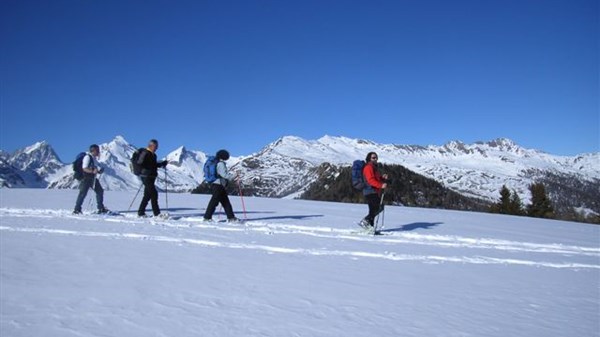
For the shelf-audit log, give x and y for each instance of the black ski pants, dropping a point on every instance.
(219, 195)
(150, 195)
(375, 207)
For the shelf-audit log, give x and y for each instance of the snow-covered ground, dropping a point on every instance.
(296, 268)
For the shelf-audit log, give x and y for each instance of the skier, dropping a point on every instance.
(149, 173)
(219, 191)
(89, 169)
(374, 184)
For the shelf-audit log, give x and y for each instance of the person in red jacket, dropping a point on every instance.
(374, 184)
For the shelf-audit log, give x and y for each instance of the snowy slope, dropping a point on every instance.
(295, 268)
(9, 175)
(287, 166)
(477, 170)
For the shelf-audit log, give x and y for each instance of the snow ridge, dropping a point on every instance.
(477, 170)
(288, 165)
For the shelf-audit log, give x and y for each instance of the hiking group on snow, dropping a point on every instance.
(144, 163)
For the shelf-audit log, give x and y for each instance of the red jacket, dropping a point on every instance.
(372, 177)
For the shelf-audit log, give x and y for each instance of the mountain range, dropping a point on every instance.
(286, 167)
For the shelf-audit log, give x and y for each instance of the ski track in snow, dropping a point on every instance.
(324, 232)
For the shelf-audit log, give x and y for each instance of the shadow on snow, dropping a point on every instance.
(413, 226)
(283, 217)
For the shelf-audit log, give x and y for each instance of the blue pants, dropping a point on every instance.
(84, 186)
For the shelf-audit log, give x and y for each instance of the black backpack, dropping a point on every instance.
(78, 166)
(358, 181)
(134, 165)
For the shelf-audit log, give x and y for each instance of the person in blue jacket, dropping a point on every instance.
(219, 189)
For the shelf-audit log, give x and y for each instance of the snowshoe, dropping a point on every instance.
(162, 216)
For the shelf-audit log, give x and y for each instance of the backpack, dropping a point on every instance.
(78, 166)
(135, 167)
(358, 180)
(210, 169)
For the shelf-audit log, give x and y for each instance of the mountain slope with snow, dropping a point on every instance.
(294, 268)
(477, 170)
(289, 165)
(32, 166)
(184, 171)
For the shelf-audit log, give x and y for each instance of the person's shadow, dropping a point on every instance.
(413, 226)
(284, 217)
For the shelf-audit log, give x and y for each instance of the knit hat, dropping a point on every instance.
(223, 155)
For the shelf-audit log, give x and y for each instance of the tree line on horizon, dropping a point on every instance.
(540, 207)
(408, 188)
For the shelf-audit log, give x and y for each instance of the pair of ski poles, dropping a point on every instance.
(166, 192)
(381, 212)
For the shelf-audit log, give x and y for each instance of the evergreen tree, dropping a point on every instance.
(504, 205)
(516, 205)
(540, 207)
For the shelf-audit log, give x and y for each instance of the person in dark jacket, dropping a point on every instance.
(219, 190)
(91, 168)
(149, 164)
(374, 184)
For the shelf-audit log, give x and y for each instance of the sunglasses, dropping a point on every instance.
(373, 157)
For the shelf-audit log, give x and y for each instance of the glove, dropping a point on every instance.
(100, 170)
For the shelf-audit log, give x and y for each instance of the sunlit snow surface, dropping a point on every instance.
(295, 268)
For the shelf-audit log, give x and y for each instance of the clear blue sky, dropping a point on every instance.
(240, 74)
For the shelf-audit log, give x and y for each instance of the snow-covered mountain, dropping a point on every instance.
(287, 166)
(38, 166)
(184, 171)
(477, 170)
(32, 166)
(114, 158)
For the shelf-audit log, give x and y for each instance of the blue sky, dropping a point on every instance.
(240, 74)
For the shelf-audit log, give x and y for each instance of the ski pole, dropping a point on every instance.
(135, 197)
(93, 187)
(381, 210)
(241, 195)
(382, 219)
(166, 188)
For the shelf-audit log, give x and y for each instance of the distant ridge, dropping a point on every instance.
(287, 166)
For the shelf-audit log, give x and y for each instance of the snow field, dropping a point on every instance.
(298, 268)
